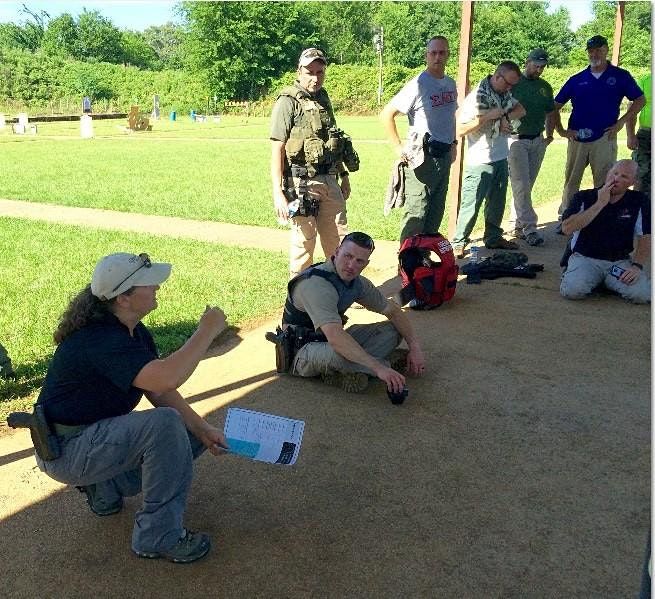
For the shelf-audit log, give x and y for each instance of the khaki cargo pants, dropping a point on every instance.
(600, 155)
(330, 223)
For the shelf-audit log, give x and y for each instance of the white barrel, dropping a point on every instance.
(86, 126)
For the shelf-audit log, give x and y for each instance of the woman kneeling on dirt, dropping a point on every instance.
(105, 361)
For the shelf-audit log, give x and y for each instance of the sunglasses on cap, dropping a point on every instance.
(312, 53)
(145, 263)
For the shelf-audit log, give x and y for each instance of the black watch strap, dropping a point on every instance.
(639, 266)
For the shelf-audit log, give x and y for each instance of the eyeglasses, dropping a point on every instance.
(145, 263)
(506, 82)
(360, 239)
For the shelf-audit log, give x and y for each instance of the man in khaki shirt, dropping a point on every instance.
(318, 299)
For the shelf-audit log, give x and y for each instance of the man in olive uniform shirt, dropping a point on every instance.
(527, 146)
(304, 111)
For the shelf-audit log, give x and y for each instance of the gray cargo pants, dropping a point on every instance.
(149, 451)
(378, 340)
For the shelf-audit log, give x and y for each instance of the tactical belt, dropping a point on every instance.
(67, 430)
(321, 169)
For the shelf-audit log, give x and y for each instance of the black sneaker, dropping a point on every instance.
(189, 548)
(98, 505)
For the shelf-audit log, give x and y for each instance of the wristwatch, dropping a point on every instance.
(343, 174)
(639, 266)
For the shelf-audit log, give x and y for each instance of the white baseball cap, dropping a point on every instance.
(116, 273)
(309, 55)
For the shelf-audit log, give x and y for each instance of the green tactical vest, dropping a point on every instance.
(306, 145)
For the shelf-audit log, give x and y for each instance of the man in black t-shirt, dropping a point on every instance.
(106, 360)
(604, 223)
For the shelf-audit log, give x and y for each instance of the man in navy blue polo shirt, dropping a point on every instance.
(595, 94)
(604, 223)
(105, 361)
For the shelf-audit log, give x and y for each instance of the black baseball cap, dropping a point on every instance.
(598, 41)
(538, 56)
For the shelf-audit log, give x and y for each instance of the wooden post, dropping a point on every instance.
(618, 33)
(463, 69)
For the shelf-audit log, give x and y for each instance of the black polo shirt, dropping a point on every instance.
(91, 374)
(611, 234)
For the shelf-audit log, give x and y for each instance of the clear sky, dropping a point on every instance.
(124, 14)
(140, 14)
(579, 10)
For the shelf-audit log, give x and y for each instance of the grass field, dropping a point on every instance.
(207, 171)
(43, 265)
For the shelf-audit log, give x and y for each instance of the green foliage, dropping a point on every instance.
(408, 26)
(37, 81)
(137, 51)
(165, 41)
(236, 50)
(509, 30)
(636, 38)
(61, 37)
(344, 30)
(98, 39)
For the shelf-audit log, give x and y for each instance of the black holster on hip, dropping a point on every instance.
(289, 341)
(44, 440)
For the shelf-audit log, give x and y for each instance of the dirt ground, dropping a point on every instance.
(519, 466)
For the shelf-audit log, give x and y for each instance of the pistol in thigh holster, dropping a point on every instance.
(288, 342)
(44, 440)
(305, 205)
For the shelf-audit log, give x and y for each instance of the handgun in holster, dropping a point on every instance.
(289, 341)
(284, 348)
(307, 206)
(44, 440)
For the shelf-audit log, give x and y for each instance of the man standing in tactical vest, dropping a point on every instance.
(309, 156)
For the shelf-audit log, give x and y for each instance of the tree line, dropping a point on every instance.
(239, 50)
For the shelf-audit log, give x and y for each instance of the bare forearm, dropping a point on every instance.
(557, 120)
(582, 219)
(550, 124)
(344, 344)
(642, 251)
(631, 123)
(518, 112)
(277, 164)
(630, 116)
(388, 118)
(403, 325)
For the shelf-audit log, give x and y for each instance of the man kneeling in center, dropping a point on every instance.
(318, 299)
